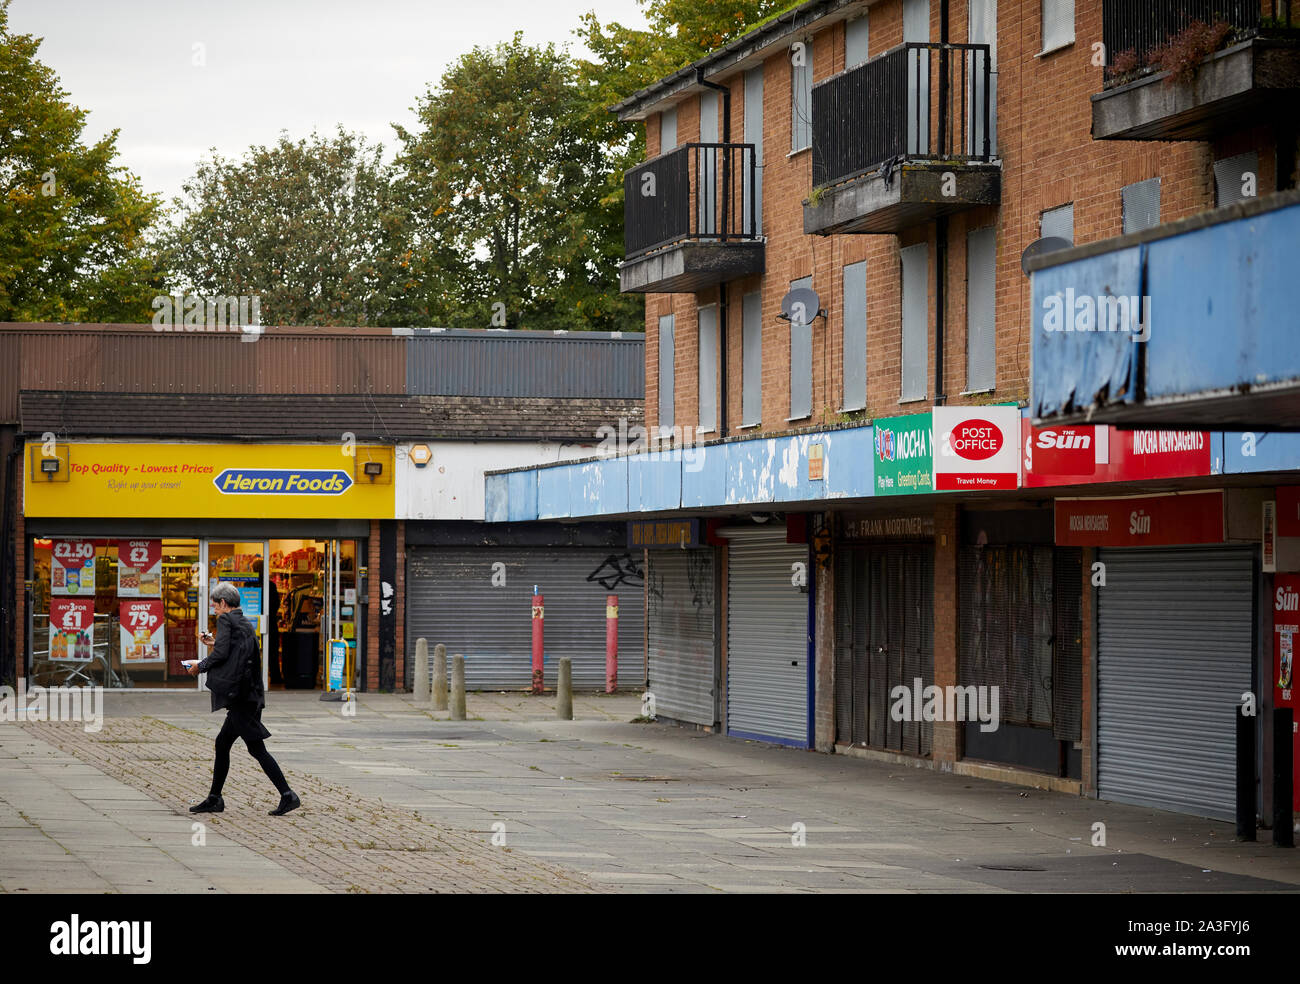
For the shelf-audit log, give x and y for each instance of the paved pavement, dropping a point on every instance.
(400, 799)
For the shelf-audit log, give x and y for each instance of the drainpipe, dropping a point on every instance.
(941, 223)
(723, 324)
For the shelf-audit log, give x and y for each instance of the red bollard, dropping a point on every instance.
(539, 622)
(611, 644)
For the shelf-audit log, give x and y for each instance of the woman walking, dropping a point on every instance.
(234, 670)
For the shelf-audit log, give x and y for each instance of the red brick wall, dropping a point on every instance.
(1049, 159)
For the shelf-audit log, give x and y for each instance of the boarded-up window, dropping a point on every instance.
(1141, 205)
(983, 29)
(707, 192)
(753, 179)
(981, 330)
(708, 367)
(666, 371)
(855, 336)
(855, 41)
(916, 27)
(668, 129)
(1058, 23)
(751, 345)
(801, 360)
(801, 76)
(1058, 222)
(916, 271)
(1236, 178)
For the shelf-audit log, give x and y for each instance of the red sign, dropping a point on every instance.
(1068, 451)
(72, 567)
(1286, 629)
(72, 628)
(139, 568)
(1117, 456)
(1288, 511)
(1140, 521)
(975, 440)
(140, 626)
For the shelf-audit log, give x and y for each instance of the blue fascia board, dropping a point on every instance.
(1221, 315)
(521, 487)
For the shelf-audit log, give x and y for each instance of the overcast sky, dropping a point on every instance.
(268, 65)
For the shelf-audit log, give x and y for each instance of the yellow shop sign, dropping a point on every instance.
(183, 481)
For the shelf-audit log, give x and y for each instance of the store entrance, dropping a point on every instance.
(313, 593)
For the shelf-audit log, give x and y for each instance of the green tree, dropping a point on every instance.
(504, 180)
(309, 227)
(73, 224)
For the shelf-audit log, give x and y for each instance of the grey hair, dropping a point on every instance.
(227, 593)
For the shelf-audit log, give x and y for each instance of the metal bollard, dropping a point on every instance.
(611, 644)
(539, 641)
(1245, 775)
(440, 677)
(421, 686)
(458, 687)
(1283, 738)
(564, 690)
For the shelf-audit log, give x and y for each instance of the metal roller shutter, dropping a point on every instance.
(767, 639)
(450, 599)
(683, 661)
(1174, 651)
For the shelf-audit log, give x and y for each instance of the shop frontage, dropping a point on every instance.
(884, 628)
(1020, 630)
(1175, 646)
(769, 645)
(125, 542)
(680, 619)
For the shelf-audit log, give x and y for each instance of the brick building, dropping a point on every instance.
(871, 505)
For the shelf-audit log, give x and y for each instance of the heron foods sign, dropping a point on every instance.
(183, 481)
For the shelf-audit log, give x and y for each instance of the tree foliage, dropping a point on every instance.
(73, 224)
(309, 227)
(504, 180)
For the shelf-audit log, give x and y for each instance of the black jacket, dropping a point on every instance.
(234, 667)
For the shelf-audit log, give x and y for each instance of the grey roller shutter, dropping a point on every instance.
(767, 639)
(1174, 645)
(450, 599)
(1141, 202)
(683, 660)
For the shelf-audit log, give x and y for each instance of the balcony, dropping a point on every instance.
(1190, 324)
(689, 220)
(1253, 77)
(903, 139)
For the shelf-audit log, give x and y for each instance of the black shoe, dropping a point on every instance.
(288, 801)
(213, 804)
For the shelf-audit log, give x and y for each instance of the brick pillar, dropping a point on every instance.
(824, 652)
(20, 593)
(947, 734)
(399, 604)
(1089, 663)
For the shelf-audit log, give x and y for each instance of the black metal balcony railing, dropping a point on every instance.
(700, 191)
(916, 101)
(1143, 27)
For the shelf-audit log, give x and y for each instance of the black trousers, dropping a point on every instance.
(245, 721)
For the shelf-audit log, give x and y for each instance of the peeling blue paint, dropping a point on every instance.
(704, 478)
(751, 471)
(496, 498)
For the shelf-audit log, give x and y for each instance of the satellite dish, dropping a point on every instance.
(1040, 247)
(800, 306)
